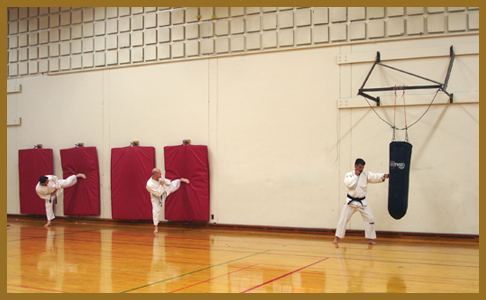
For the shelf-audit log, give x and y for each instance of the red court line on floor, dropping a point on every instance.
(39, 289)
(212, 279)
(285, 275)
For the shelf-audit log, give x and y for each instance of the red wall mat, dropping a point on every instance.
(33, 163)
(190, 202)
(82, 199)
(131, 168)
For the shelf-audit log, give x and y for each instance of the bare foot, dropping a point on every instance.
(81, 175)
(48, 224)
(335, 240)
(185, 180)
(156, 229)
(371, 242)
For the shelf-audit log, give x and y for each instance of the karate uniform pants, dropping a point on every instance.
(65, 183)
(366, 214)
(50, 209)
(156, 206)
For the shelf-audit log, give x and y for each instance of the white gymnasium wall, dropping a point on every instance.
(277, 155)
(279, 137)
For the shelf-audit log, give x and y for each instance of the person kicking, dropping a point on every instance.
(49, 187)
(159, 189)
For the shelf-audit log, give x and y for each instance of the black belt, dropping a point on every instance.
(163, 198)
(356, 199)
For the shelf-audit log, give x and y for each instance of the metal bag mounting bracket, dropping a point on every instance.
(436, 85)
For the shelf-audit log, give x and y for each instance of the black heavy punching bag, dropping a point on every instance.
(400, 155)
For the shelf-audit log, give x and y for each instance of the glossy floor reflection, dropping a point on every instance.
(106, 257)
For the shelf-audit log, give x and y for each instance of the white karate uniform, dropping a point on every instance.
(356, 187)
(157, 189)
(54, 185)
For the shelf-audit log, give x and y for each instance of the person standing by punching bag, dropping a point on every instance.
(356, 183)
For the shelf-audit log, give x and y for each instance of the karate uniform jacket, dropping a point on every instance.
(45, 191)
(156, 188)
(356, 186)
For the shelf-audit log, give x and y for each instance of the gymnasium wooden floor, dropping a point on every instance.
(110, 257)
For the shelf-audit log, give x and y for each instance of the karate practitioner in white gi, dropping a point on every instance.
(356, 183)
(158, 186)
(49, 187)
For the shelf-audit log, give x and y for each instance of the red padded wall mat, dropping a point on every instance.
(82, 199)
(131, 168)
(190, 202)
(33, 163)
